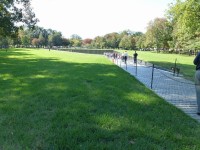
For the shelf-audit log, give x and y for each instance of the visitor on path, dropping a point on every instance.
(197, 80)
(135, 57)
(122, 56)
(125, 56)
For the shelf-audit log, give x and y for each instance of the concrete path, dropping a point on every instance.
(174, 89)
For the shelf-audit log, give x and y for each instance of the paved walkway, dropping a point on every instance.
(175, 90)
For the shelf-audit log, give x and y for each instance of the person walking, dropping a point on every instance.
(197, 80)
(125, 56)
(135, 57)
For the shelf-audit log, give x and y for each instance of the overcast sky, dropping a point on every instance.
(91, 18)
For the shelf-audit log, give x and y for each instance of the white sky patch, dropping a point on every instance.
(91, 18)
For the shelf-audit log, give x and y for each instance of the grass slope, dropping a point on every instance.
(60, 100)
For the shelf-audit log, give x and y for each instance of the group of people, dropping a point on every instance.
(124, 56)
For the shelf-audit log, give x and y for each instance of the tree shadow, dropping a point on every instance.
(50, 104)
(186, 70)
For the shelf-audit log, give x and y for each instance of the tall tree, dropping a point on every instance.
(127, 42)
(112, 40)
(35, 42)
(87, 42)
(4, 42)
(10, 14)
(140, 41)
(76, 40)
(55, 39)
(65, 42)
(158, 33)
(25, 37)
(185, 17)
(99, 42)
(41, 40)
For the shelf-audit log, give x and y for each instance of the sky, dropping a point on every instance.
(91, 18)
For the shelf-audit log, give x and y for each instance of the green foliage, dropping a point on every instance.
(25, 40)
(55, 39)
(75, 36)
(112, 40)
(65, 42)
(35, 42)
(41, 39)
(127, 42)
(4, 42)
(180, 31)
(87, 42)
(75, 40)
(99, 42)
(140, 41)
(158, 33)
(185, 18)
(10, 14)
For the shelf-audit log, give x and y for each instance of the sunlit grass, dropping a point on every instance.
(165, 60)
(63, 100)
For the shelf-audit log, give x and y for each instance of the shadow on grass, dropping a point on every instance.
(186, 70)
(49, 104)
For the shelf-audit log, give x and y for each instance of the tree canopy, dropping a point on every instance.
(13, 12)
(185, 19)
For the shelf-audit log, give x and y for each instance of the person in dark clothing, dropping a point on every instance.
(125, 56)
(197, 80)
(135, 57)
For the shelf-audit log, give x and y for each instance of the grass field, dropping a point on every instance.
(60, 100)
(184, 62)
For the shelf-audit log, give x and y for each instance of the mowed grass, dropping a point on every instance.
(165, 60)
(60, 100)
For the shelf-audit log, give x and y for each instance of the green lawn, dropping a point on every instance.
(60, 100)
(184, 62)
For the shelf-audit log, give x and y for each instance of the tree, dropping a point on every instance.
(25, 37)
(127, 42)
(65, 42)
(28, 16)
(99, 42)
(35, 42)
(55, 39)
(41, 40)
(112, 40)
(185, 18)
(87, 42)
(158, 33)
(75, 36)
(10, 15)
(25, 41)
(76, 40)
(41, 33)
(126, 32)
(140, 41)
(3, 42)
